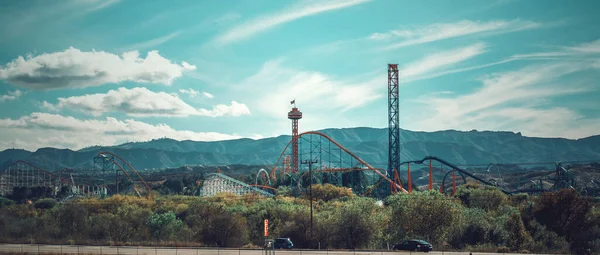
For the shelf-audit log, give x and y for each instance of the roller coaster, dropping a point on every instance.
(22, 174)
(334, 165)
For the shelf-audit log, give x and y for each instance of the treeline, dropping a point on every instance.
(476, 219)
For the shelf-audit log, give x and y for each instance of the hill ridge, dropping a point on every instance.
(370, 144)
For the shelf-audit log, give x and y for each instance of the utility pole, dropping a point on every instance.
(310, 162)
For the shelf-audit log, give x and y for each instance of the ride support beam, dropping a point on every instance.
(453, 183)
(430, 176)
(409, 180)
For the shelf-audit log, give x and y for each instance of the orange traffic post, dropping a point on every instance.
(430, 176)
(266, 228)
(409, 180)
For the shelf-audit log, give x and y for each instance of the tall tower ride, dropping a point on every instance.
(294, 115)
(393, 120)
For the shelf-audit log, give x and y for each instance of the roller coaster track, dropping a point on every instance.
(216, 183)
(367, 166)
(104, 156)
(456, 168)
(24, 174)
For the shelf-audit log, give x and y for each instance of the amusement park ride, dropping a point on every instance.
(327, 162)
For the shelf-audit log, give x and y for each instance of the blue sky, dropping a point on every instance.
(76, 73)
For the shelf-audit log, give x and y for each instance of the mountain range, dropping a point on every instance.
(370, 144)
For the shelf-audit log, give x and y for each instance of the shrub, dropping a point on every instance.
(6, 202)
(46, 203)
(503, 249)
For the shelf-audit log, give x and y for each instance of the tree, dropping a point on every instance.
(164, 226)
(517, 236)
(356, 222)
(327, 192)
(213, 224)
(564, 212)
(427, 214)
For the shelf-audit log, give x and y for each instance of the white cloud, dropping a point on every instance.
(441, 31)
(312, 90)
(440, 60)
(584, 52)
(191, 92)
(12, 95)
(154, 42)
(516, 101)
(586, 48)
(74, 68)
(294, 12)
(141, 102)
(194, 93)
(51, 130)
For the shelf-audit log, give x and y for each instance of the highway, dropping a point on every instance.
(135, 250)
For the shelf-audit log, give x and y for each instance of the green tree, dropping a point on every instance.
(356, 222)
(518, 238)
(428, 215)
(164, 226)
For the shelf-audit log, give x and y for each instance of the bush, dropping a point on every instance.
(503, 249)
(6, 202)
(46, 203)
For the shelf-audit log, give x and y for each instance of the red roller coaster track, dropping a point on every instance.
(368, 167)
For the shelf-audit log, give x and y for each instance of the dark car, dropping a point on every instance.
(283, 243)
(414, 245)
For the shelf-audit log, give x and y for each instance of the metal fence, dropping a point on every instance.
(148, 250)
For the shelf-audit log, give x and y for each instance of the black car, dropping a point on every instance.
(414, 245)
(283, 243)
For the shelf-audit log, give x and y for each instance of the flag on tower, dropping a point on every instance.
(293, 101)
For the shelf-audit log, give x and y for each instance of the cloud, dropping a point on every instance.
(209, 95)
(191, 92)
(312, 90)
(141, 102)
(585, 51)
(152, 43)
(294, 12)
(52, 130)
(441, 31)
(440, 60)
(74, 68)
(194, 93)
(516, 100)
(12, 95)
(586, 48)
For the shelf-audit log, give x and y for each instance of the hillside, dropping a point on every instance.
(473, 147)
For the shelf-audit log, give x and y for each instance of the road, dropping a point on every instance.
(133, 250)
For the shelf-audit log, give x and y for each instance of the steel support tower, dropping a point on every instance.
(294, 115)
(393, 121)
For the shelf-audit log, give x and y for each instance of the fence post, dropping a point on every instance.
(38, 248)
(100, 250)
(77, 249)
(117, 250)
(21, 248)
(61, 249)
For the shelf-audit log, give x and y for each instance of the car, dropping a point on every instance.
(283, 243)
(414, 245)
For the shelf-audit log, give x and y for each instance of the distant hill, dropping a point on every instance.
(370, 144)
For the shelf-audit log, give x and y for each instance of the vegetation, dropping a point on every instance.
(476, 219)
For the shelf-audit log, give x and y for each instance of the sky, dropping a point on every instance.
(78, 73)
